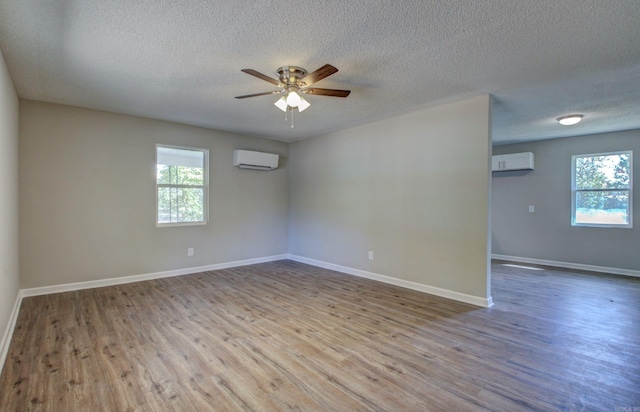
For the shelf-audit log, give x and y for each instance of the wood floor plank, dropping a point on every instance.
(287, 336)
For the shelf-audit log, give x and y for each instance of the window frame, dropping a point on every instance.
(205, 185)
(575, 191)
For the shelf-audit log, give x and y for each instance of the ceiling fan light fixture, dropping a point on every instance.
(282, 104)
(570, 119)
(293, 99)
(303, 105)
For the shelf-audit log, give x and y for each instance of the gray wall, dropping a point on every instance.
(413, 189)
(547, 233)
(87, 198)
(9, 274)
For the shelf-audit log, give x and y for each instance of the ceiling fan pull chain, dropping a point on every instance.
(292, 126)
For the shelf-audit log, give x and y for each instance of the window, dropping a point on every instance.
(181, 185)
(601, 186)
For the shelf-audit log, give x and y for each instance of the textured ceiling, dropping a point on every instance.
(181, 60)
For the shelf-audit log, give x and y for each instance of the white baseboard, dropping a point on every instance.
(569, 265)
(8, 332)
(445, 293)
(68, 287)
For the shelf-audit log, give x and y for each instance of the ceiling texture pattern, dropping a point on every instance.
(181, 60)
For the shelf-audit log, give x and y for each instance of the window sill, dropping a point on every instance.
(181, 224)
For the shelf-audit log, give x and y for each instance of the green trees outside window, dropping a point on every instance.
(181, 185)
(602, 189)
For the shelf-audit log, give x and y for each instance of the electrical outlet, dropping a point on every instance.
(370, 255)
(190, 251)
(532, 209)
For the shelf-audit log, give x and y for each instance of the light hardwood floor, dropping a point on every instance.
(287, 336)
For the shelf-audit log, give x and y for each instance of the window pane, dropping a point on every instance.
(189, 175)
(603, 172)
(164, 205)
(179, 205)
(605, 208)
(180, 175)
(190, 205)
(163, 174)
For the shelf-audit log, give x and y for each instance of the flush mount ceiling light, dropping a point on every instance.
(570, 119)
(292, 83)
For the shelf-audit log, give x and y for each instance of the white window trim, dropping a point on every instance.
(574, 190)
(205, 188)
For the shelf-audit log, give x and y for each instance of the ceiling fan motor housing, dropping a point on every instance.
(291, 75)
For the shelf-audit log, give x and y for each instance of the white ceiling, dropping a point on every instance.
(181, 60)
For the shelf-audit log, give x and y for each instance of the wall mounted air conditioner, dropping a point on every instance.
(513, 161)
(246, 159)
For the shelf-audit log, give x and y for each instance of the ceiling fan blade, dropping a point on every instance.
(257, 94)
(325, 71)
(327, 92)
(262, 76)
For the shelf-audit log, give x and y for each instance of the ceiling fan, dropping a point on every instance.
(293, 81)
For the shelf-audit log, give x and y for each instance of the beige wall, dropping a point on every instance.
(87, 198)
(9, 275)
(413, 189)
